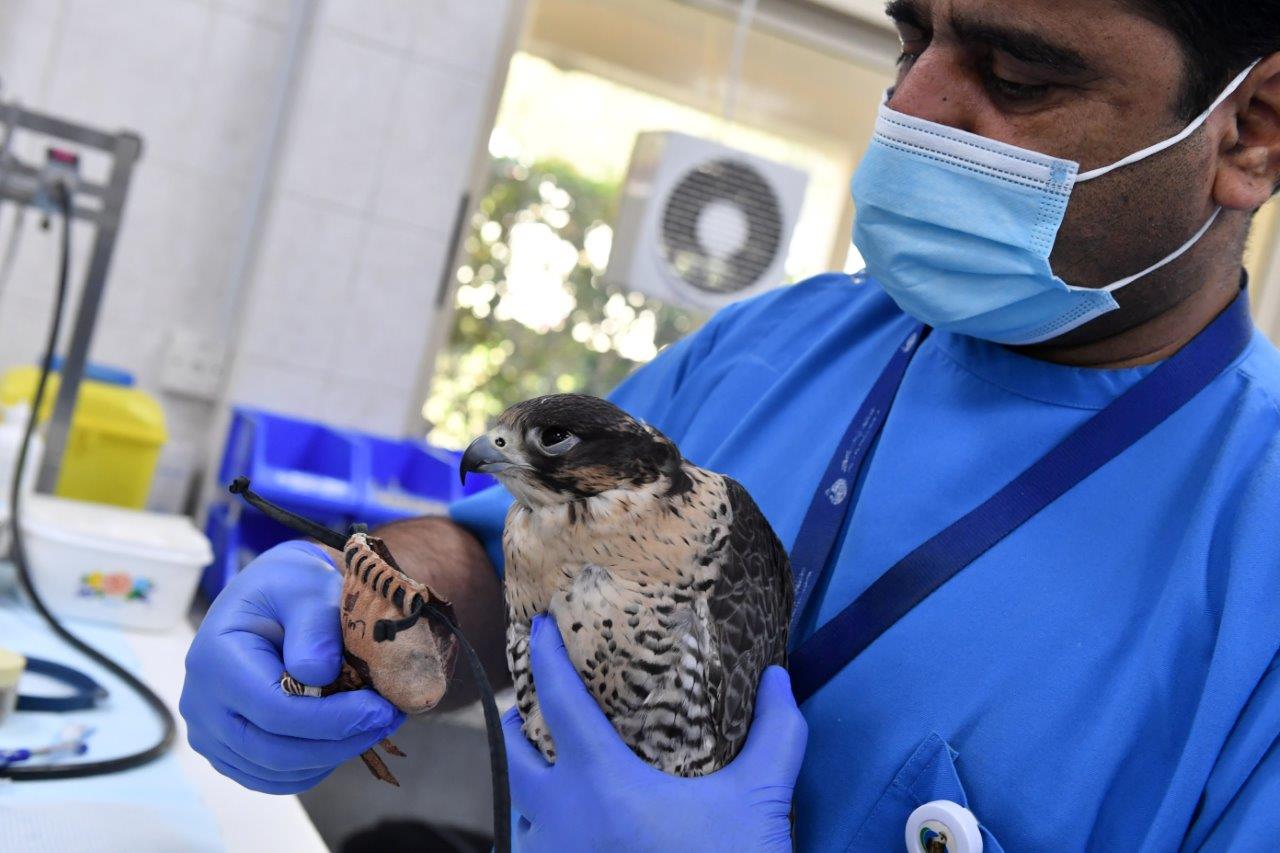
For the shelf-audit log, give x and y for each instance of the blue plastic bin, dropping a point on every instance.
(406, 479)
(332, 476)
(225, 565)
(308, 467)
(238, 534)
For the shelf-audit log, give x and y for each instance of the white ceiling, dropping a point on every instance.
(867, 10)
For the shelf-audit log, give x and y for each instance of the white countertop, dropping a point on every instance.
(247, 821)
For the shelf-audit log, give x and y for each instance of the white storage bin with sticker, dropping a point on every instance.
(128, 567)
(13, 424)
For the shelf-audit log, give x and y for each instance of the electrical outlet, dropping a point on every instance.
(192, 364)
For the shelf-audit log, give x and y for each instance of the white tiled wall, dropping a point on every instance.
(435, 115)
(339, 303)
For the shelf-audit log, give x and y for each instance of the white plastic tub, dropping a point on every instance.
(13, 423)
(128, 567)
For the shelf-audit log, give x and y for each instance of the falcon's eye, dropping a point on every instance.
(556, 440)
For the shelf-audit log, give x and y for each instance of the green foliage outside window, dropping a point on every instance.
(531, 315)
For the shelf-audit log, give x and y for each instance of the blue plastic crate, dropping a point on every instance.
(406, 479)
(332, 476)
(308, 467)
(238, 533)
(223, 537)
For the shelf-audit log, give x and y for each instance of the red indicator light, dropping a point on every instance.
(61, 155)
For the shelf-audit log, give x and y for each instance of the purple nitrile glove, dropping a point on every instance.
(280, 613)
(600, 796)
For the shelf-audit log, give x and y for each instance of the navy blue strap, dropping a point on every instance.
(831, 502)
(87, 691)
(1100, 439)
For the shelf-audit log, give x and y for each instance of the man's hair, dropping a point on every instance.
(1219, 39)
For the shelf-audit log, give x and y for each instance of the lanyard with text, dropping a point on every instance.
(833, 501)
(1103, 437)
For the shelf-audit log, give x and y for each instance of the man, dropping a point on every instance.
(1104, 674)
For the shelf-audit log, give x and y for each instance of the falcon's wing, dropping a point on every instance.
(750, 606)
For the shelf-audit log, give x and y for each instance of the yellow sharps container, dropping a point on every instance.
(116, 436)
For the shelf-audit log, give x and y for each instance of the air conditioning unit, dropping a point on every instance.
(701, 225)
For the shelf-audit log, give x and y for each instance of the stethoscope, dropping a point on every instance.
(85, 694)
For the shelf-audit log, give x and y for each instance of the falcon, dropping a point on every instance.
(670, 588)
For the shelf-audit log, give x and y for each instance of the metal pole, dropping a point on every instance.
(274, 142)
(127, 149)
(297, 37)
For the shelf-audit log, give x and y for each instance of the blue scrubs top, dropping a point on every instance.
(1106, 678)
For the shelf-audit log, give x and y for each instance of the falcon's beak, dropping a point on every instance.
(483, 456)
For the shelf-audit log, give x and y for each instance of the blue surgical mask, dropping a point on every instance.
(958, 228)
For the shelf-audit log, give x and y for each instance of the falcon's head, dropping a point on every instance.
(566, 447)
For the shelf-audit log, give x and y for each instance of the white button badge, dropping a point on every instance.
(943, 827)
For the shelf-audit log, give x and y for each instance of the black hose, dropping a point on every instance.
(305, 526)
(494, 734)
(87, 768)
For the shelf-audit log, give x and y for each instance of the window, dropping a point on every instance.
(532, 316)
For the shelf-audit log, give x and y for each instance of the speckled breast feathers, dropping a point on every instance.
(672, 598)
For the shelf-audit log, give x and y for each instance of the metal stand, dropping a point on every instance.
(23, 184)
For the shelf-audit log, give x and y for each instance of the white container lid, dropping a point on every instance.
(101, 527)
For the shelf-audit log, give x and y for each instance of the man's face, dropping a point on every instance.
(1086, 80)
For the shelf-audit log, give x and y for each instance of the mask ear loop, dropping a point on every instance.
(1195, 238)
(1173, 140)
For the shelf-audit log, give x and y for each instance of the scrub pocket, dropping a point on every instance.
(929, 774)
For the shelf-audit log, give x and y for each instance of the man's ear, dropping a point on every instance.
(1249, 163)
